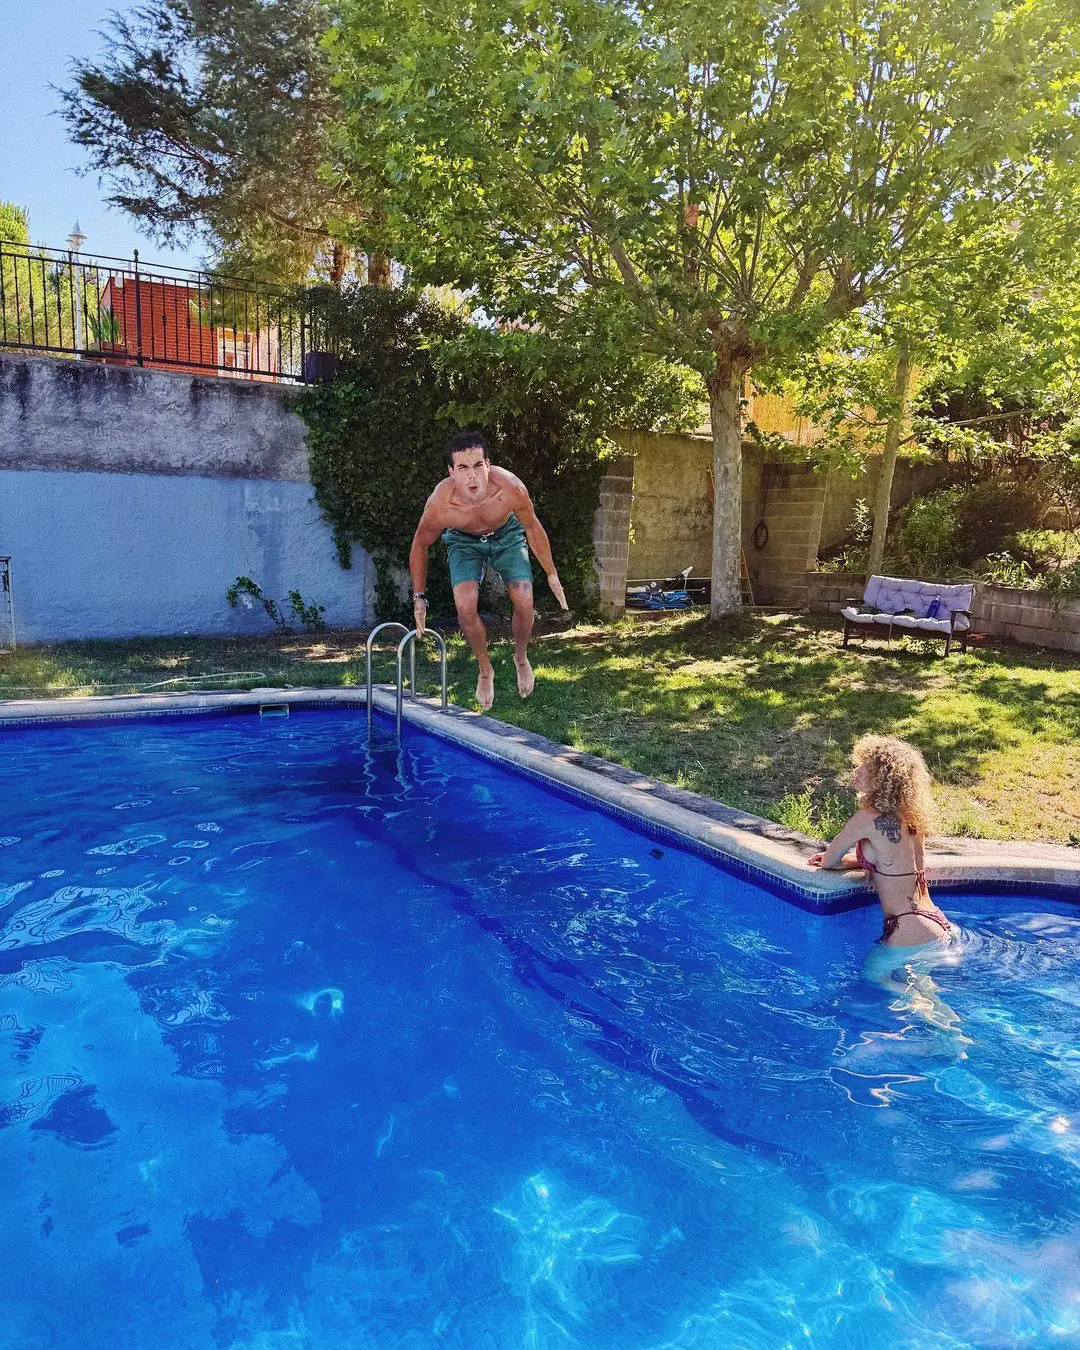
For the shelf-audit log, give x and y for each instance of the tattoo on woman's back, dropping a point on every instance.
(889, 825)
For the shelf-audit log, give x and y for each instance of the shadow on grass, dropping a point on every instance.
(756, 710)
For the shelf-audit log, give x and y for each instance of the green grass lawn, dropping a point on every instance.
(760, 712)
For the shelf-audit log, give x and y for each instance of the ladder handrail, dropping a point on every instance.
(370, 639)
(409, 640)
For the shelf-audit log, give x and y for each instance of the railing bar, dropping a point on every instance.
(273, 342)
(60, 307)
(18, 303)
(3, 297)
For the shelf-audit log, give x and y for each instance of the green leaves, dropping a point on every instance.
(414, 371)
(211, 120)
(736, 177)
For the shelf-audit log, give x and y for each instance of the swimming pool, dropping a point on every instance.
(305, 1046)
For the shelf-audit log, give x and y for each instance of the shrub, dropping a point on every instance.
(928, 533)
(1005, 570)
(412, 373)
(990, 514)
(950, 530)
(1064, 581)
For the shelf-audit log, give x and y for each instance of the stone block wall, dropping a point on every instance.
(611, 531)
(829, 592)
(1032, 618)
(671, 520)
(795, 502)
(844, 492)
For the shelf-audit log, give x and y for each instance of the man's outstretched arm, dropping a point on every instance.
(540, 544)
(426, 533)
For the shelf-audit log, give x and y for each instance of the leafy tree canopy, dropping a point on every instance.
(414, 371)
(208, 118)
(722, 182)
(14, 223)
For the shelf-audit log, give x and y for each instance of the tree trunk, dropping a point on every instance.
(893, 432)
(378, 269)
(338, 259)
(725, 415)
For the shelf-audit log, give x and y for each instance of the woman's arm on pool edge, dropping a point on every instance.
(837, 857)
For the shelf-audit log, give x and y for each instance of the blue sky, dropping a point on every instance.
(38, 38)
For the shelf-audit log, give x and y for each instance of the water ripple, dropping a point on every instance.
(126, 846)
(83, 909)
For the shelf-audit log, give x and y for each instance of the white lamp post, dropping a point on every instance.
(76, 239)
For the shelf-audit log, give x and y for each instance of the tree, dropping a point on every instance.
(208, 118)
(414, 370)
(37, 292)
(14, 224)
(716, 184)
(1004, 311)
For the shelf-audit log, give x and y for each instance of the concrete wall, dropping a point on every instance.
(131, 499)
(843, 492)
(119, 555)
(1032, 618)
(671, 517)
(57, 414)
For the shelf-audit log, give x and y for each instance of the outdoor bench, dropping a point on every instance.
(921, 608)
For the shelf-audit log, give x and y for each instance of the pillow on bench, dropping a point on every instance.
(903, 603)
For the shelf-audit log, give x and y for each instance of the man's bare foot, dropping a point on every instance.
(485, 689)
(525, 677)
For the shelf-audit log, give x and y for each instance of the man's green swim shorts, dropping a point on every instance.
(505, 549)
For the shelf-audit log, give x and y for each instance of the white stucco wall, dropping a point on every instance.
(131, 499)
(120, 555)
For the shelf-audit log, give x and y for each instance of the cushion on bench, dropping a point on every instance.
(908, 621)
(902, 603)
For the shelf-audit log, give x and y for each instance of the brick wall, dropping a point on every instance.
(611, 531)
(1032, 618)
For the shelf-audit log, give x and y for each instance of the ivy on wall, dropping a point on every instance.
(412, 373)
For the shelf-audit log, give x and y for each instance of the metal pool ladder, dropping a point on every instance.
(408, 641)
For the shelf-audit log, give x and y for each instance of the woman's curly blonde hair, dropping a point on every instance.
(899, 778)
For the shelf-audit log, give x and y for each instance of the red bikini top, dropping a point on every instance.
(919, 874)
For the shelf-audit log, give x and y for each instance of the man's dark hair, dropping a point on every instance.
(466, 440)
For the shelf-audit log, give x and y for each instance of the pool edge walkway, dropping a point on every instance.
(761, 848)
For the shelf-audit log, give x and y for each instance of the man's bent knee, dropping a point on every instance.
(521, 594)
(466, 596)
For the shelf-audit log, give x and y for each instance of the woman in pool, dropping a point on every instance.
(885, 837)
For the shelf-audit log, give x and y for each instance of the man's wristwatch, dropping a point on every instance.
(420, 595)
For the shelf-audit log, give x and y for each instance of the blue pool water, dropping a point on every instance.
(306, 1047)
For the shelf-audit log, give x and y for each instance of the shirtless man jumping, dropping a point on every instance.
(485, 516)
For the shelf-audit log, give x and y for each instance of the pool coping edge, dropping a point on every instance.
(754, 845)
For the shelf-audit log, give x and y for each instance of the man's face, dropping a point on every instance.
(470, 471)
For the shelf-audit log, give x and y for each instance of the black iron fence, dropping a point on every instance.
(119, 312)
